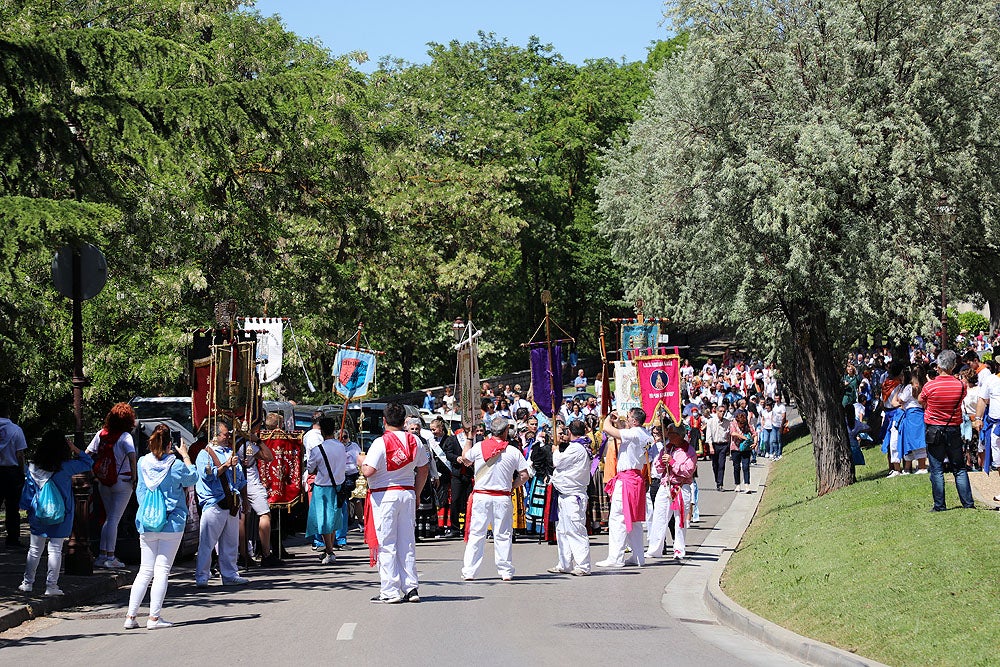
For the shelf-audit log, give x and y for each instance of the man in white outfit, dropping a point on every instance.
(499, 468)
(396, 469)
(571, 477)
(627, 488)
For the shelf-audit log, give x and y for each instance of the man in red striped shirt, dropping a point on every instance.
(941, 399)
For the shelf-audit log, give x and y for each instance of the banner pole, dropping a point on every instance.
(357, 346)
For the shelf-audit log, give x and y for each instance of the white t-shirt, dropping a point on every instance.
(632, 453)
(572, 469)
(778, 415)
(990, 391)
(247, 450)
(449, 402)
(654, 453)
(123, 447)
(907, 399)
(403, 476)
(500, 476)
(310, 439)
(337, 456)
(766, 418)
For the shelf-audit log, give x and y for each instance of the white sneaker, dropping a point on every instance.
(557, 570)
(158, 624)
(739, 488)
(906, 472)
(921, 471)
(609, 564)
(894, 473)
(328, 559)
(111, 564)
(580, 572)
(649, 554)
(53, 591)
(778, 457)
(235, 581)
(25, 587)
(130, 623)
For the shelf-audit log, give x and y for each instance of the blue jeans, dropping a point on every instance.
(776, 442)
(946, 441)
(741, 460)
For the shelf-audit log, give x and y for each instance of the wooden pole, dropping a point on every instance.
(357, 347)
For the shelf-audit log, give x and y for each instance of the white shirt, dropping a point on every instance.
(572, 469)
(907, 399)
(337, 456)
(449, 402)
(990, 392)
(247, 452)
(632, 453)
(500, 476)
(311, 438)
(352, 449)
(403, 476)
(123, 447)
(11, 442)
(654, 452)
(778, 415)
(766, 418)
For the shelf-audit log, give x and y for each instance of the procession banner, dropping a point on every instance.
(270, 345)
(660, 386)
(354, 373)
(640, 336)
(282, 477)
(626, 386)
(468, 383)
(546, 375)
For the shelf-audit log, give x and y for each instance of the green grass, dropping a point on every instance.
(869, 569)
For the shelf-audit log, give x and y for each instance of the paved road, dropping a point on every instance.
(307, 611)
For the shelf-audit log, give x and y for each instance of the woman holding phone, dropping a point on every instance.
(168, 469)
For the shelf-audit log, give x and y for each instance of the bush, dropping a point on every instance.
(973, 322)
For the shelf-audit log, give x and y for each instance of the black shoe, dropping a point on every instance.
(450, 532)
(286, 555)
(412, 596)
(718, 487)
(271, 560)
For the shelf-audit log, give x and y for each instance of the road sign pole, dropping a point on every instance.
(78, 380)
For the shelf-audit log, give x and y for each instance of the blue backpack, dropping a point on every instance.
(48, 505)
(152, 514)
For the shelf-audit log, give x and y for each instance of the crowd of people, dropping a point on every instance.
(518, 475)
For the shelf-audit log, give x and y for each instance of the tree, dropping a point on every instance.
(784, 172)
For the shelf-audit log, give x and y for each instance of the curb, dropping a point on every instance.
(45, 606)
(749, 624)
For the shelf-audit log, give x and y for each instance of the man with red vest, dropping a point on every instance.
(498, 470)
(396, 468)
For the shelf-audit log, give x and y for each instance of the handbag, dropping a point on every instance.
(230, 499)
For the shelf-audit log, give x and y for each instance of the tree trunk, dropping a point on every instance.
(994, 305)
(406, 358)
(818, 390)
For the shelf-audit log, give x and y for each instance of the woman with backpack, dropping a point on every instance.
(48, 497)
(163, 474)
(742, 440)
(114, 468)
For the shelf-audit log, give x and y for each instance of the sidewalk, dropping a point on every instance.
(17, 607)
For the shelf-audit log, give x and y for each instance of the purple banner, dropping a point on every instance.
(541, 377)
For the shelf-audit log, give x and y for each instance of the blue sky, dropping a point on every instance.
(578, 30)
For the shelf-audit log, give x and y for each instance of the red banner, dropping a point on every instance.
(660, 386)
(282, 477)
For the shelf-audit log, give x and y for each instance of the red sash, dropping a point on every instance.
(492, 446)
(397, 454)
(468, 505)
(371, 537)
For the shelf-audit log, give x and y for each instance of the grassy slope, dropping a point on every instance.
(869, 569)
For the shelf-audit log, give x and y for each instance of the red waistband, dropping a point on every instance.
(393, 487)
(491, 492)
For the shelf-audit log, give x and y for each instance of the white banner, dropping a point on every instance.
(270, 345)
(627, 395)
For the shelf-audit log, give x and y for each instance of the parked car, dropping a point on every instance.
(581, 396)
(175, 408)
(368, 417)
(304, 413)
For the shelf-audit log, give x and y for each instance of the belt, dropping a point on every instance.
(392, 487)
(491, 492)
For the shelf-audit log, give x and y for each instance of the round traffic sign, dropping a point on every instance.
(93, 271)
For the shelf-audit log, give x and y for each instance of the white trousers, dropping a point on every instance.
(486, 511)
(115, 499)
(618, 537)
(218, 528)
(35, 554)
(661, 521)
(158, 551)
(571, 532)
(394, 512)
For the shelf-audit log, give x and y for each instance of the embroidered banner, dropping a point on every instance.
(468, 384)
(270, 345)
(640, 336)
(659, 386)
(353, 373)
(546, 376)
(626, 386)
(282, 477)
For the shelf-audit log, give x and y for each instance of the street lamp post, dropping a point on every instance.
(945, 215)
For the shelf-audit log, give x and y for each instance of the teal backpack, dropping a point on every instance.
(48, 504)
(152, 514)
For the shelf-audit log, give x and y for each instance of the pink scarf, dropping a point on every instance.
(633, 495)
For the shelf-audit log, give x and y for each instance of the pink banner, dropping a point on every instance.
(659, 385)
